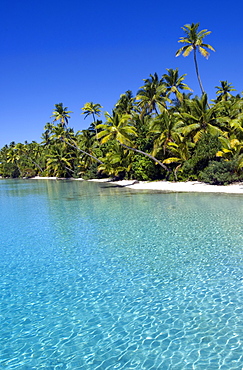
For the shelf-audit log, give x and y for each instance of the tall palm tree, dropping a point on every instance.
(194, 42)
(61, 114)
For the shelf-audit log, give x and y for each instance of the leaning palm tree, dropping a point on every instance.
(61, 134)
(120, 128)
(194, 41)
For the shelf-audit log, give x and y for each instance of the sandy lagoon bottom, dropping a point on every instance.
(95, 276)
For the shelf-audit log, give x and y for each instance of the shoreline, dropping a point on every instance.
(178, 187)
(163, 186)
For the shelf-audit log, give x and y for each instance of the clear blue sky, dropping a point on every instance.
(78, 51)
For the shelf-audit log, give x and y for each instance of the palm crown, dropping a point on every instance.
(194, 40)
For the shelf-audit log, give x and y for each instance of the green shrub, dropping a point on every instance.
(220, 173)
(144, 169)
(204, 152)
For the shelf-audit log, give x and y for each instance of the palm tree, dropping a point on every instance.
(165, 128)
(125, 104)
(29, 151)
(87, 144)
(59, 161)
(13, 157)
(61, 114)
(46, 136)
(120, 128)
(93, 110)
(224, 91)
(178, 154)
(199, 119)
(152, 96)
(194, 42)
(230, 116)
(174, 83)
(117, 161)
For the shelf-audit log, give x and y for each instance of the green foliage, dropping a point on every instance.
(220, 173)
(205, 150)
(9, 170)
(91, 172)
(146, 137)
(144, 169)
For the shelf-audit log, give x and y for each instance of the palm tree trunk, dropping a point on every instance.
(147, 155)
(197, 71)
(82, 151)
(36, 164)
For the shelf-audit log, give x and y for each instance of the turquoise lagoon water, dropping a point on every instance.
(99, 277)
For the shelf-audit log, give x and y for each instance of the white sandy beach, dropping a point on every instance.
(188, 186)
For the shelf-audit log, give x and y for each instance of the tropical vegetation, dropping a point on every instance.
(161, 132)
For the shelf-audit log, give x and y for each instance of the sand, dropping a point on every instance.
(188, 186)
(166, 186)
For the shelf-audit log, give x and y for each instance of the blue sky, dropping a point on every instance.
(79, 51)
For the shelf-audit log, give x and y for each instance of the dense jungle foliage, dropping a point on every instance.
(163, 132)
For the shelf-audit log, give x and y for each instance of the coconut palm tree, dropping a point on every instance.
(199, 119)
(174, 83)
(59, 161)
(179, 153)
(117, 161)
(152, 96)
(165, 129)
(224, 91)
(61, 114)
(30, 152)
(121, 129)
(230, 116)
(126, 103)
(193, 41)
(91, 109)
(13, 156)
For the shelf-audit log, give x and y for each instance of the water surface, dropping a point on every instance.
(101, 277)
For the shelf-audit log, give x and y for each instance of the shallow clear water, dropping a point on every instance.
(98, 277)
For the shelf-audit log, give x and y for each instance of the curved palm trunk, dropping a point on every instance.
(36, 164)
(82, 151)
(147, 155)
(197, 71)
